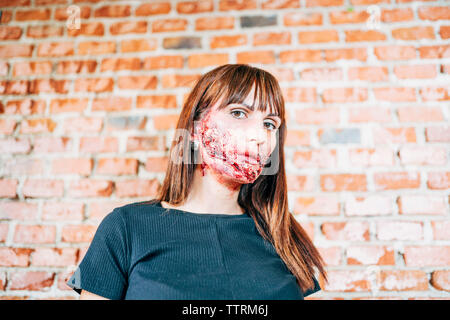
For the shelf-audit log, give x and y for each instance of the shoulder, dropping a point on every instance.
(134, 213)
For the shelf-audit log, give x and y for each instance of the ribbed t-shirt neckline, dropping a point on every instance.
(244, 215)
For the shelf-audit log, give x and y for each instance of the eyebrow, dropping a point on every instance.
(249, 107)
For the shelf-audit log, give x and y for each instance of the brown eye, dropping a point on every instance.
(237, 111)
(274, 127)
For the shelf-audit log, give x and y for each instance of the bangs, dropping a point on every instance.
(267, 94)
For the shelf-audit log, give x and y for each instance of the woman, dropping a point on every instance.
(220, 226)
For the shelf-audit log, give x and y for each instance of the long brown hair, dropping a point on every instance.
(266, 198)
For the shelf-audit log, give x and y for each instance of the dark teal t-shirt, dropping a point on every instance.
(145, 251)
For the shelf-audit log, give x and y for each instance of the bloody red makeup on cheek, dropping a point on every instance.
(223, 158)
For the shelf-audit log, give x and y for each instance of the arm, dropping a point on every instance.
(86, 295)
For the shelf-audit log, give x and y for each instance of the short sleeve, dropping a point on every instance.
(103, 270)
(312, 290)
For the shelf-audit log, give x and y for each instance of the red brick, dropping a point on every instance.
(372, 74)
(15, 257)
(49, 86)
(399, 230)
(317, 115)
(433, 13)
(225, 41)
(137, 188)
(165, 25)
(343, 182)
(271, 38)
(14, 145)
(94, 29)
(34, 234)
(424, 205)
(94, 84)
(344, 95)
(388, 136)
(95, 47)
(214, 23)
(157, 102)
(438, 134)
(117, 166)
(292, 19)
(32, 68)
(10, 33)
(17, 87)
(363, 35)
(438, 180)
(249, 57)
(403, 280)
(165, 122)
(225, 5)
(202, 60)
(420, 114)
(112, 104)
(31, 280)
(15, 210)
(25, 107)
(87, 66)
(441, 230)
(38, 126)
(62, 211)
(434, 93)
(52, 144)
(426, 71)
(77, 166)
(346, 54)
(137, 82)
(440, 279)
(36, 14)
(322, 36)
(320, 205)
(62, 14)
(8, 188)
(113, 11)
(137, 45)
(346, 281)
(3, 233)
(370, 255)
(156, 164)
(44, 31)
(99, 209)
(90, 188)
(424, 256)
(7, 126)
(191, 7)
(128, 27)
(331, 255)
(321, 74)
(368, 157)
(145, 143)
(55, 49)
(413, 33)
(375, 205)
(15, 50)
(78, 233)
(300, 183)
(296, 138)
(163, 62)
(82, 124)
(99, 144)
(423, 155)
(148, 9)
(43, 188)
(300, 56)
(346, 231)
(116, 64)
(68, 105)
(434, 52)
(53, 257)
(320, 158)
(179, 80)
(395, 94)
(396, 180)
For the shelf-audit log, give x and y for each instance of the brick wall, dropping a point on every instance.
(87, 115)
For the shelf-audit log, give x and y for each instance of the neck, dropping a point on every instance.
(210, 193)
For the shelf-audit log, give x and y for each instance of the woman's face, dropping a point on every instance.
(236, 142)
